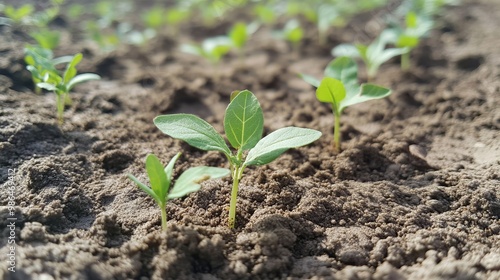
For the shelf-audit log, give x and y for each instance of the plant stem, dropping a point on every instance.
(237, 173)
(163, 217)
(405, 61)
(336, 132)
(60, 100)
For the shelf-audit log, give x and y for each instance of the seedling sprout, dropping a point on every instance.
(243, 125)
(160, 178)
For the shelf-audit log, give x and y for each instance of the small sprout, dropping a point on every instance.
(373, 55)
(20, 15)
(240, 33)
(340, 87)
(154, 18)
(244, 125)
(264, 13)
(42, 67)
(292, 32)
(161, 178)
(408, 37)
(212, 49)
(47, 39)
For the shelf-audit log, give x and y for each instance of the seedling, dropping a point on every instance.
(51, 80)
(265, 13)
(340, 87)
(160, 178)
(212, 49)
(408, 37)
(373, 55)
(19, 15)
(292, 32)
(243, 125)
(46, 38)
(240, 33)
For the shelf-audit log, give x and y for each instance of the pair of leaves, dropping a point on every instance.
(417, 27)
(243, 124)
(340, 85)
(373, 55)
(188, 182)
(52, 81)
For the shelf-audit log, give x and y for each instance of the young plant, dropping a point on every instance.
(19, 15)
(213, 49)
(160, 178)
(47, 39)
(61, 85)
(292, 32)
(408, 36)
(373, 55)
(240, 33)
(341, 89)
(243, 124)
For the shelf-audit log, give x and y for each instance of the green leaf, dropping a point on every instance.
(367, 92)
(343, 69)
(46, 86)
(71, 69)
(277, 142)
(348, 50)
(145, 188)
(170, 167)
(82, 78)
(157, 177)
(310, 80)
(195, 131)
(331, 91)
(244, 121)
(190, 180)
(239, 35)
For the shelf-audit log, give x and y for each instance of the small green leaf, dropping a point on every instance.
(46, 86)
(145, 188)
(348, 50)
(82, 78)
(170, 167)
(195, 131)
(239, 35)
(244, 121)
(190, 180)
(331, 91)
(344, 69)
(367, 92)
(71, 69)
(310, 80)
(277, 142)
(157, 177)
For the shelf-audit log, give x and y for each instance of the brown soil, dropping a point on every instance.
(413, 195)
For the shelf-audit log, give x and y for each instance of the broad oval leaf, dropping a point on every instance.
(348, 50)
(277, 142)
(244, 121)
(239, 35)
(157, 177)
(331, 91)
(367, 92)
(195, 131)
(190, 180)
(344, 69)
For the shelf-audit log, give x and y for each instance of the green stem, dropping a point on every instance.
(336, 132)
(237, 173)
(163, 217)
(60, 100)
(405, 61)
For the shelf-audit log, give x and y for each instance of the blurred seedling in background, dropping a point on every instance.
(240, 34)
(19, 16)
(43, 70)
(264, 13)
(373, 55)
(243, 125)
(46, 38)
(408, 36)
(161, 179)
(212, 49)
(291, 32)
(341, 89)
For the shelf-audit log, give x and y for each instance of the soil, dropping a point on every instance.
(414, 194)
